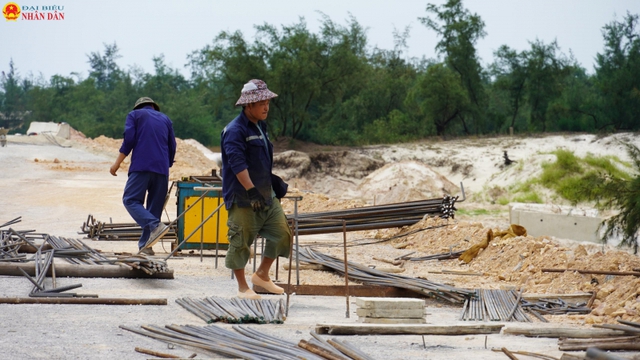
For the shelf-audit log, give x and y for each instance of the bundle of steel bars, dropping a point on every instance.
(555, 307)
(74, 251)
(494, 305)
(374, 217)
(98, 230)
(371, 276)
(71, 250)
(77, 252)
(235, 310)
(246, 343)
(363, 218)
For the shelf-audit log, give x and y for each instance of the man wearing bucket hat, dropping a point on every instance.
(251, 191)
(149, 134)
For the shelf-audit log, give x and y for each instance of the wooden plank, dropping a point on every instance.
(391, 313)
(338, 290)
(407, 329)
(561, 332)
(383, 303)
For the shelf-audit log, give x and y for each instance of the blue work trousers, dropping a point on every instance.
(153, 186)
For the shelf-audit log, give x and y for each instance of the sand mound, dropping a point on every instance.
(190, 159)
(405, 181)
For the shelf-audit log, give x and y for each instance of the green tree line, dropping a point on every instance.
(334, 89)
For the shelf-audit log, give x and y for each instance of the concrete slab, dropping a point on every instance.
(371, 320)
(386, 303)
(391, 313)
(559, 221)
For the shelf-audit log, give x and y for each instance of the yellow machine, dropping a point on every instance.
(201, 196)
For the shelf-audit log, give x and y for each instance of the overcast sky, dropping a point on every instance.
(144, 29)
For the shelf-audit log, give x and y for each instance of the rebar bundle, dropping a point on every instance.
(235, 310)
(555, 307)
(494, 305)
(371, 276)
(247, 343)
(77, 252)
(374, 217)
(98, 230)
(73, 251)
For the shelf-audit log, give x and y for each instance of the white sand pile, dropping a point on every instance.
(405, 181)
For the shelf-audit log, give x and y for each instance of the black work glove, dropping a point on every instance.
(257, 200)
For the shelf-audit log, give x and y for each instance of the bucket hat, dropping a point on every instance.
(146, 100)
(253, 91)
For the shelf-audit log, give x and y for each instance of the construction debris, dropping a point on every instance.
(513, 231)
(617, 343)
(525, 353)
(596, 272)
(631, 328)
(555, 307)
(558, 332)
(473, 251)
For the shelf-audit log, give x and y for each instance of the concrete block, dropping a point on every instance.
(369, 320)
(559, 221)
(389, 303)
(391, 313)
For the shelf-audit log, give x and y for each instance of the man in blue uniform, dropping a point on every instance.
(149, 134)
(251, 191)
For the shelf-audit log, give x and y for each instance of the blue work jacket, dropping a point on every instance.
(244, 147)
(149, 133)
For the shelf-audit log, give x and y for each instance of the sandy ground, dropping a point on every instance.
(55, 188)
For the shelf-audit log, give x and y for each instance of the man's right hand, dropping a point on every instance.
(257, 200)
(114, 168)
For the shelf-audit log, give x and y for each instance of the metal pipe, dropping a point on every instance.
(289, 277)
(218, 233)
(346, 266)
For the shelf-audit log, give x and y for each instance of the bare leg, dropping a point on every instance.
(240, 279)
(244, 291)
(263, 269)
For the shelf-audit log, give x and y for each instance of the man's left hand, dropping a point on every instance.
(257, 200)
